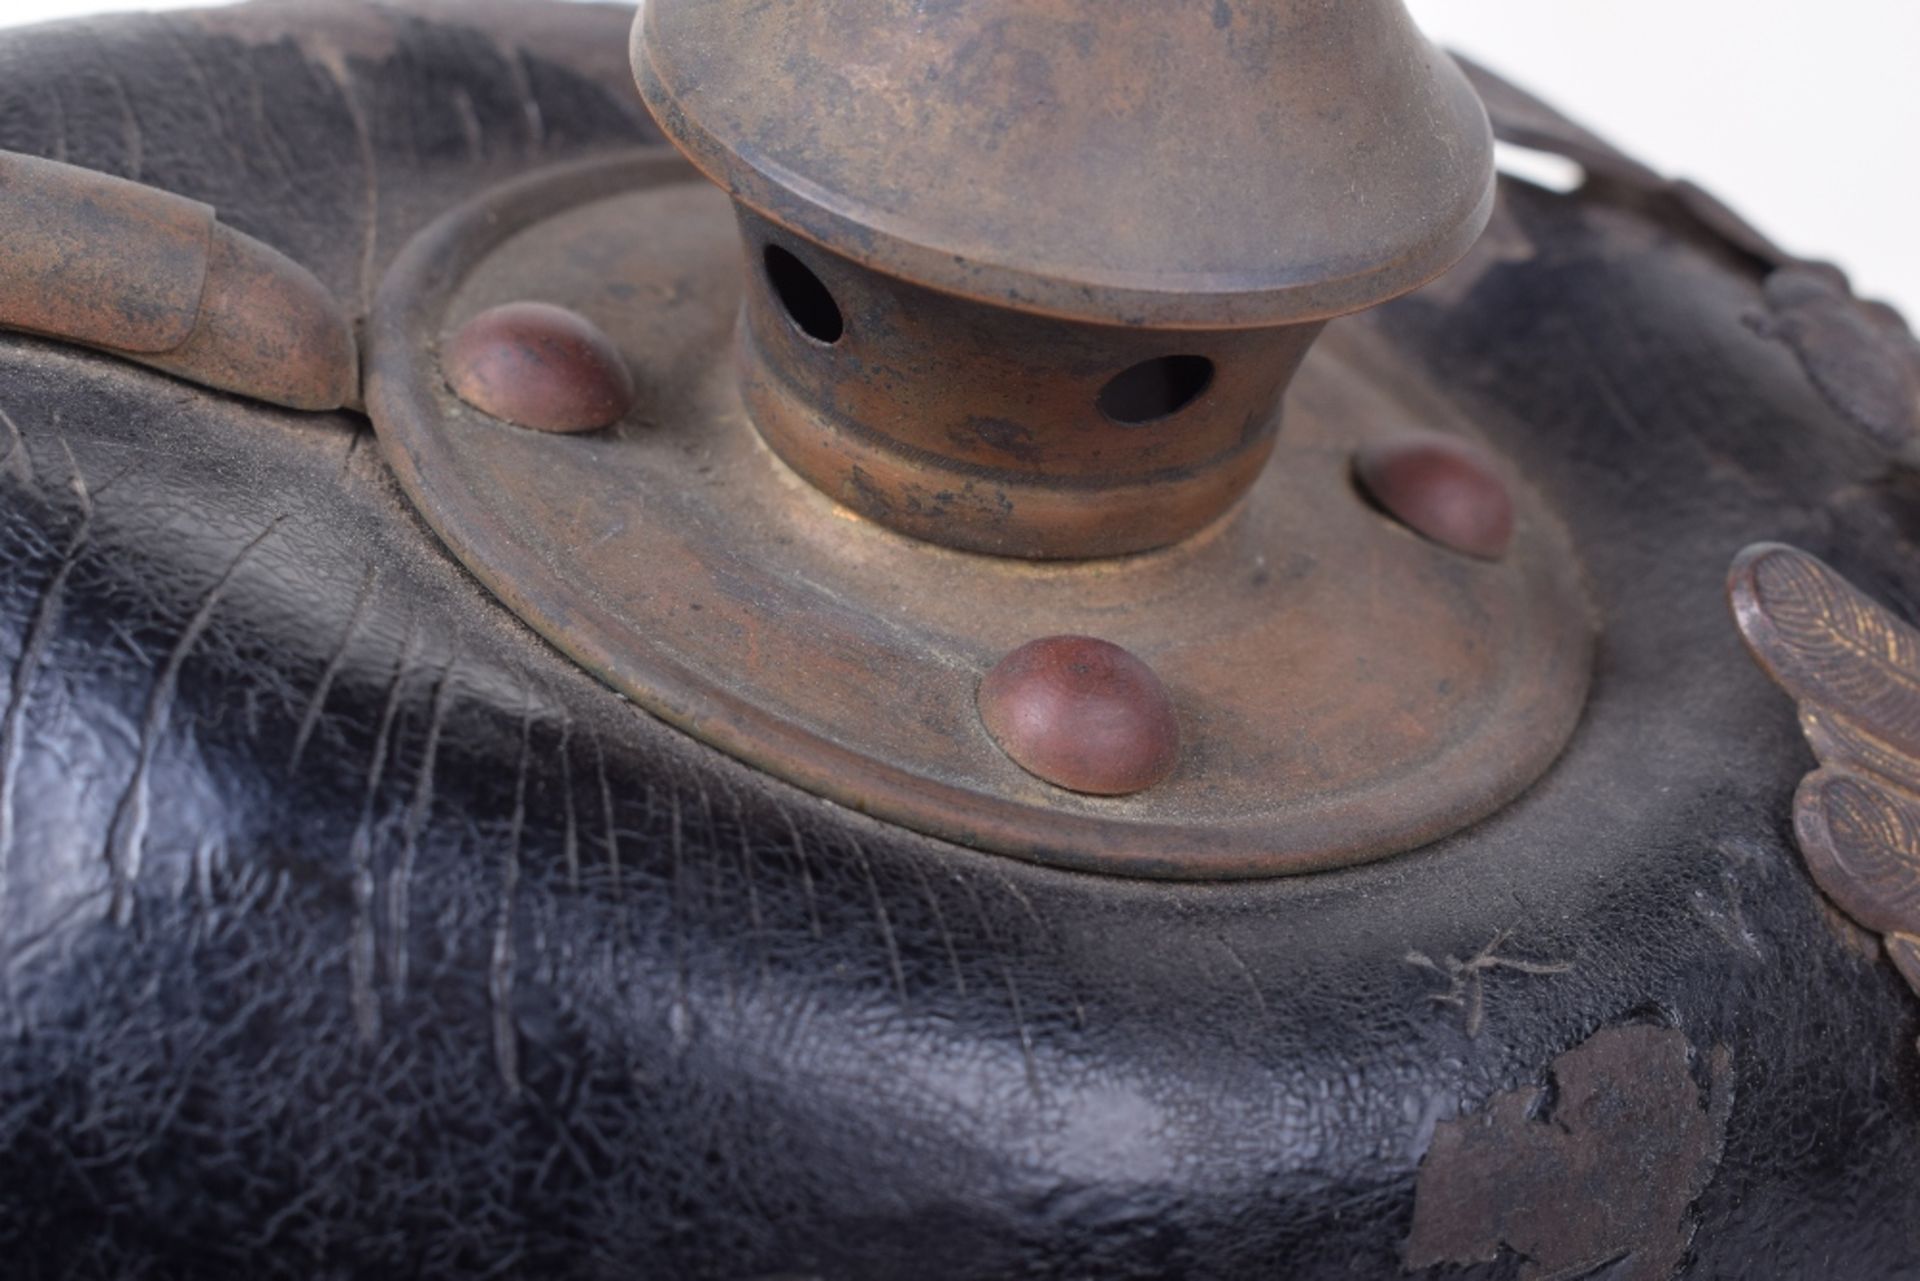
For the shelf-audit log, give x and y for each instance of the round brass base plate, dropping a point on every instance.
(1345, 689)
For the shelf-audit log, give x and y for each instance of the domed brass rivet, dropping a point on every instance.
(1082, 714)
(1442, 488)
(539, 366)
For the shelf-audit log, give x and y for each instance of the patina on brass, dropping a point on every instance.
(1343, 687)
(540, 366)
(156, 278)
(1442, 487)
(1083, 714)
(1024, 285)
(1066, 254)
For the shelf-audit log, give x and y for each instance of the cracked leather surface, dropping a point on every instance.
(349, 932)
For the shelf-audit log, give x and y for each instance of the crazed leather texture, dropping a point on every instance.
(349, 932)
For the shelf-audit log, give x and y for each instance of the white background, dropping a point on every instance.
(1805, 116)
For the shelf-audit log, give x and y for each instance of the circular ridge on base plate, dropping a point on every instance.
(1346, 689)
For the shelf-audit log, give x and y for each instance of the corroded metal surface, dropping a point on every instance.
(157, 278)
(1032, 279)
(1854, 669)
(1344, 688)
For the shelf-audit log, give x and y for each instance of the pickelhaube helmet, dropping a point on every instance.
(937, 638)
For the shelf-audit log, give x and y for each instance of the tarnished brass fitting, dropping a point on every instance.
(1027, 278)
(1032, 278)
(158, 279)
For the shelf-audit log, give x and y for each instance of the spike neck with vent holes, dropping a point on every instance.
(1033, 279)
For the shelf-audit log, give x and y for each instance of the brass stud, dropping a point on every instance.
(539, 366)
(1082, 714)
(1441, 488)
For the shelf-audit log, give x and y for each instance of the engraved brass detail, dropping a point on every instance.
(1854, 669)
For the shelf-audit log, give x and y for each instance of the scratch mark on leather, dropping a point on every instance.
(271, 141)
(370, 250)
(1253, 981)
(26, 668)
(203, 863)
(58, 109)
(806, 873)
(469, 124)
(342, 76)
(1026, 904)
(1728, 923)
(750, 881)
(17, 459)
(571, 844)
(204, 93)
(1591, 1269)
(127, 836)
(129, 118)
(56, 932)
(419, 809)
(246, 889)
(354, 440)
(1046, 931)
(1609, 389)
(940, 926)
(565, 1143)
(530, 104)
(310, 719)
(1021, 1029)
(885, 921)
(607, 816)
(361, 951)
(187, 1078)
(709, 827)
(679, 1015)
(1466, 979)
(506, 1032)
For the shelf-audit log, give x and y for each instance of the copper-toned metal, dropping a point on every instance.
(1083, 714)
(97, 259)
(1240, 164)
(540, 366)
(156, 278)
(982, 427)
(266, 329)
(1075, 249)
(1442, 488)
(1344, 691)
(1854, 669)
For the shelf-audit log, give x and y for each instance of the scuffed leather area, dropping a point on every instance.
(350, 932)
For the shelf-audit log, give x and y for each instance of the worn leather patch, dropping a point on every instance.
(1597, 1168)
